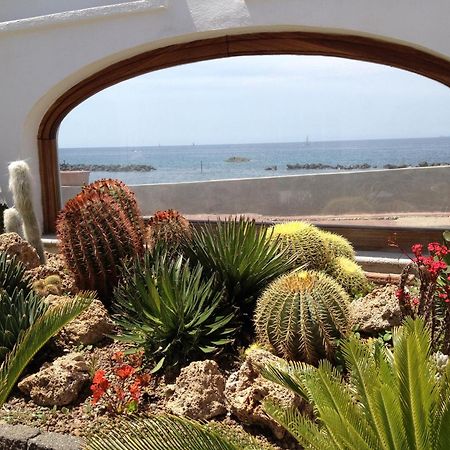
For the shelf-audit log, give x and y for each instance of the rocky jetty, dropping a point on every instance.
(107, 167)
(315, 166)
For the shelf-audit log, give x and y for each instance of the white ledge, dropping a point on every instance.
(82, 15)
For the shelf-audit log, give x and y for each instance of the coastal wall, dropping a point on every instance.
(412, 190)
(48, 55)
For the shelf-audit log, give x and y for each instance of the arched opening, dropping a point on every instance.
(352, 47)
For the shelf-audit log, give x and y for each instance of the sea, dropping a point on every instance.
(184, 163)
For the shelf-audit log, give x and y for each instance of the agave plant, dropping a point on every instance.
(20, 307)
(391, 402)
(242, 257)
(166, 307)
(32, 339)
(12, 275)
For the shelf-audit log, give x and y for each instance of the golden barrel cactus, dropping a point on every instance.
(301, 315)
(304, 242)
(338, 245)
(349, 275)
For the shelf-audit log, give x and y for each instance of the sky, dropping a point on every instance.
(256, 99)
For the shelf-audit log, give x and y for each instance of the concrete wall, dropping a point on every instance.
(24, 9)
(42, 57)
(415, 190)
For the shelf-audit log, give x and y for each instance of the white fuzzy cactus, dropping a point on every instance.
(21, 187)
(12, 221)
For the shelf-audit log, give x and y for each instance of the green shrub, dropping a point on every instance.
(242, 257)
(304, 243)
(167, 308)
(388, 401)
(302, 315)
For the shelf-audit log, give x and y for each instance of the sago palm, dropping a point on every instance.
(391, 401)
(172, 433)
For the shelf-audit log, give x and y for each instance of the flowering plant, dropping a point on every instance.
(431, 297)
(122, 390)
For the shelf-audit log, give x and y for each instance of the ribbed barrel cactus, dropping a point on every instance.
(98, 229)
(338, 245)
(301, 315)
(169, 227)
(349, 275)
(304, 242)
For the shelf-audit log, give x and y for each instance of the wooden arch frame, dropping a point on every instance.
(296, 43)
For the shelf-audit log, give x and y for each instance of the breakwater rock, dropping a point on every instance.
(107, 167)
(316, 166)
(365, 166)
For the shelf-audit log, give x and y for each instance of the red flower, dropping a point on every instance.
(417, 249)
(125, 371)
(135, 390)
(100, 380)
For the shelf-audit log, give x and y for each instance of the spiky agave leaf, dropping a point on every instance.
(241, 255)
(390, 403)
(168, 433)
(36, 336)
(166, 307)
(12, 274)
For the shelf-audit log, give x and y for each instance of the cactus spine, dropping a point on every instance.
(338, 245)
(301, 315)
(169, 227)
(303, 242)
(98, 229)
(21, 187)
(13, 221)
(349, 275)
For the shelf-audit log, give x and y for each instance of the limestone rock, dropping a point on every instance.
(89, 328)
(246, 390)
(58, 383)
(377, 311)
(13, 244)
(199, 391)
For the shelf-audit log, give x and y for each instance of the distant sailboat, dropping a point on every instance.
(307, 143)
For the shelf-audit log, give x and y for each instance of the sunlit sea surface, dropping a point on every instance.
(208, 162)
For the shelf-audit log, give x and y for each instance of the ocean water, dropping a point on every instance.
(208, 162)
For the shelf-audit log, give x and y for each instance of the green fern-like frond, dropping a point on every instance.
(36, 336)
(388, 402)
(168, 433)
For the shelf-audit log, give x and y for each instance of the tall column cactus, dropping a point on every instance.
(21, 187)
(98, 229)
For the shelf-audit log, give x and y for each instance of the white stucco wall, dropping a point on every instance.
(43, 56)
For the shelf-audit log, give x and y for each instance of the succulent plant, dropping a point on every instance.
(349, 275)
(241, 256)
(338, 245)
(303, 242)
(19, 305)
(3, 208)
(123, 196)
(99, 229)
(301, 315)
(48, 285)
(169, 227)
(12, 275)
(13, 222)
(20, 185)
(169, 310)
